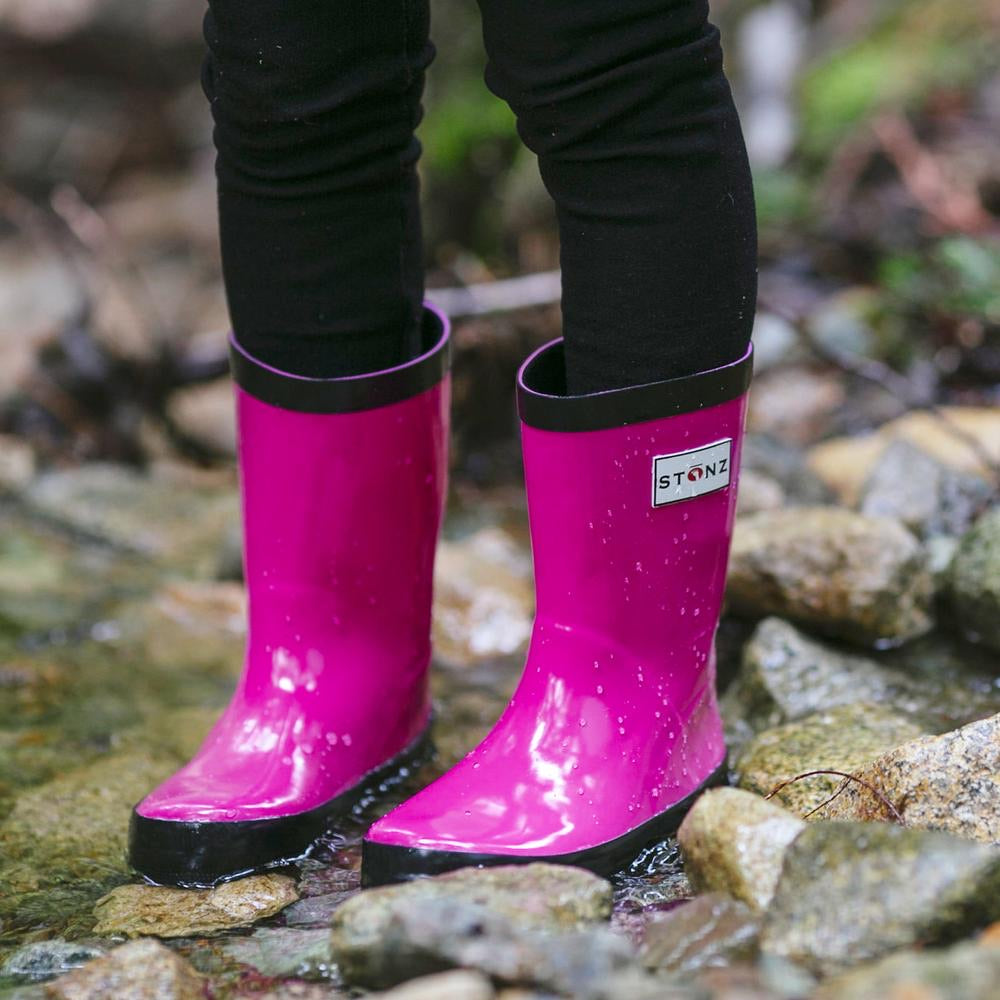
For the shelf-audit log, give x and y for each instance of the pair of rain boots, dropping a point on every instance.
(614, 726)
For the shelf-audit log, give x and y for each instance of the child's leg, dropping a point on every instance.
(627, 107)
(315, 104)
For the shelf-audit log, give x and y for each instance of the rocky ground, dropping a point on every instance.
(861, 638)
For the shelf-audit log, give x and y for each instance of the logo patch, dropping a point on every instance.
(688, 474)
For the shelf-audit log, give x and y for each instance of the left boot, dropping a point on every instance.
(614, 727)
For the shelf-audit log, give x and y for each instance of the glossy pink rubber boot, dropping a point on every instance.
(614, 727)
(343, 485)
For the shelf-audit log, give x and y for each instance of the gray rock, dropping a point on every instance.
(758, 492)
(205, 415)
(785, 465)
(926, 495)
(140, 910)
(421, 936)
(140, 970)
(36, 839)
(45, 959)
(846, 574)
(975, 580)
(539, 896)
(853, 892)
(786, 675)
(734, 842)
(843, 739)
(460, 984)
(158, 515)
(282, 952)
(963, 972)
(710, 930)
(949, 782)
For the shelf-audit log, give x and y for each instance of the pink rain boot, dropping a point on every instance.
(614, 728)
(343, 484)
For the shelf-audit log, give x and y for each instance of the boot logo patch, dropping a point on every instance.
(693, 473)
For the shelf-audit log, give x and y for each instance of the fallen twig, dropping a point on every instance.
(896, 815)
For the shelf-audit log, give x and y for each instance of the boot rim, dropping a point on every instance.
(351, 393)
(543, 403)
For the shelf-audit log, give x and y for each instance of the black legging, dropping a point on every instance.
(624, 102)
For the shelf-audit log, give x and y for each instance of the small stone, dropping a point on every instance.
(156, 515)
(845, 463)
(283, 952)
(926, 495)
(17, 464)
(427, 935)
(786, 675)
(710, 930)
(140, 970)
(136, 910)
(758, 492)
(974, 580)
(384, 936)
(786, 465)
(963, 972)
(843, 739)
(848, 575)
(734, 842)
(853, 892)
(458, 985)
(205, 414)
(949, 782)
(44, 959)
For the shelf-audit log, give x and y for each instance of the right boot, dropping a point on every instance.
(342, 486)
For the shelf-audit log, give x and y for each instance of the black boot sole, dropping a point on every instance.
(384, 864)
(202, 855)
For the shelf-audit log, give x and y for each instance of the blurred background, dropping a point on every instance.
(874, 130)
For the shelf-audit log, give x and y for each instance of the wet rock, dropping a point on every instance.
(963, 972)
(775, 459)
(974, 580)
(768, 978)
(926, 495)
(140, 970)
(383, 936)
(848, 575)
(137, 910)
(77, 822)
(786, 675)
(795, 403)
(734, 842)
(281, 952)
(458, 985)
(758, 492)
(853, 892)
(949, 782)
(842, 739)
(710, 930)
(845, 463)
(483, 596)
(206, 416)
(157, 515)
(541, 896)
(45, 959)
(421, 936)
(17, 464)
(186, 621)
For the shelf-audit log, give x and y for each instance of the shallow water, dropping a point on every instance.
(112, 666)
